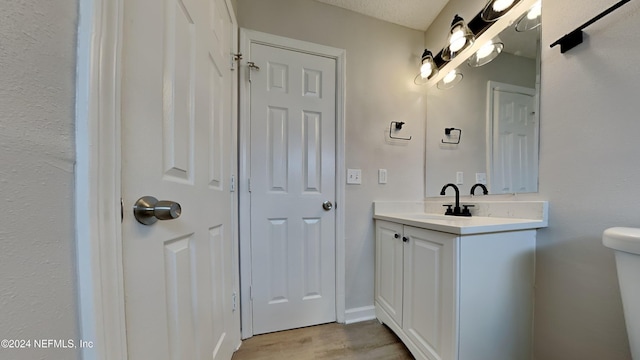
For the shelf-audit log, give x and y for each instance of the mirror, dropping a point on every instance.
(495, 107)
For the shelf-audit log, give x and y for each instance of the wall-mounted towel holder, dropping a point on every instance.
(398, 126)
(574, 38)
(447, 132)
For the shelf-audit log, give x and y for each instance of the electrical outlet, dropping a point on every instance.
(481, 178)
(382, 176)
(459, 178)
(354, 176)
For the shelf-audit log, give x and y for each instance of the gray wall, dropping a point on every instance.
(37, 259)
(382, 60)
(589, 170)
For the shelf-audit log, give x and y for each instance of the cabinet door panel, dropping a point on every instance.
(389, 268)
(430, 293)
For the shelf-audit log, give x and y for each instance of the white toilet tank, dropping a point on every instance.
(626, 243)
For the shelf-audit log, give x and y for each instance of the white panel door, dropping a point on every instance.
(430, 292)
(389, 268)
(515, 140)
(292, 173)
(177, 125)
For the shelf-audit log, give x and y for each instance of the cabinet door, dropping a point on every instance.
(389, 268)
(430, 292)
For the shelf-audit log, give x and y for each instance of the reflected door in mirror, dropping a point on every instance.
(514, 144)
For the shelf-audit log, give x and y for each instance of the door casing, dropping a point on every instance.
(247, 37)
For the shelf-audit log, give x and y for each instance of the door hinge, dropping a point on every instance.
(234, 301)
(234, 58)
(233, 183)
(251, 292)
(249, 184)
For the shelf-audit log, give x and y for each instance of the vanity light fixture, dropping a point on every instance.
(486, 53)
(495, 9)
(460, 37)
(450, 80)
(428, 68)
(531, 19)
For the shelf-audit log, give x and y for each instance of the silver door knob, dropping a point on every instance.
(327, 205)
(147, 210)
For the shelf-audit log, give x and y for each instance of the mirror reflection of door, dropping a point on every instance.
(513, 139)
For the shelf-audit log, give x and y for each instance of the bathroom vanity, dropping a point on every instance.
(458, 288)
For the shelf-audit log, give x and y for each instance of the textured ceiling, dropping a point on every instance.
(415, 14)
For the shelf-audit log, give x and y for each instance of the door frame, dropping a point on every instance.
(489, 138)
(248, 37)
(98, 231)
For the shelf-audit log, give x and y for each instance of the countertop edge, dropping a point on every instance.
(523, 224)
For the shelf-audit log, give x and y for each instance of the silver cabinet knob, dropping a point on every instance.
(147, 210)
(327, 205)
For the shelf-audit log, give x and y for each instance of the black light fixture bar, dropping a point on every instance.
(575, 38)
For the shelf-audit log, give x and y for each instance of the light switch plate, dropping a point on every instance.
(459, 178)
(354, 176)
(382, 176)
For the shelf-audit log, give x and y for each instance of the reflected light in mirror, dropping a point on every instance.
(501, 5)
(535, 11)
(450, 77)
(495, 9)
(486, 53)
(531, 20)
(450, 80)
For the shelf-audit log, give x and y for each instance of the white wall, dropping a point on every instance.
(382, 60)
(589, 172)
(37, 267)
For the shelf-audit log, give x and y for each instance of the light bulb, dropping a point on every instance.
(425, 70)
(535, 11)
(501, 5)
(485, 50)
(457, 41)
(450, 77)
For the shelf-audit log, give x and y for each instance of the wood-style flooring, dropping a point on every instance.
(367, 340)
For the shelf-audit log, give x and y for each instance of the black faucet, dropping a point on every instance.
(456, 209)
(484, 189)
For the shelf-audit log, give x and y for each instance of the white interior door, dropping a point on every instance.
(293, 112)
(177, 130)
(514, 159)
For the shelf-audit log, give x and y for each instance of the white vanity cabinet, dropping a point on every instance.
(456, 297)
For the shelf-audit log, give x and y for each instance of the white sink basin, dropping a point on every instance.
(622, 239)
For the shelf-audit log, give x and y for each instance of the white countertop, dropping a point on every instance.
(460, 225)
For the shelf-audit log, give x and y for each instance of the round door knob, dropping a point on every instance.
(327, 205)
(147, 210)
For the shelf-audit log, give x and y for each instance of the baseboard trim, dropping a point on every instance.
(359, 314)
